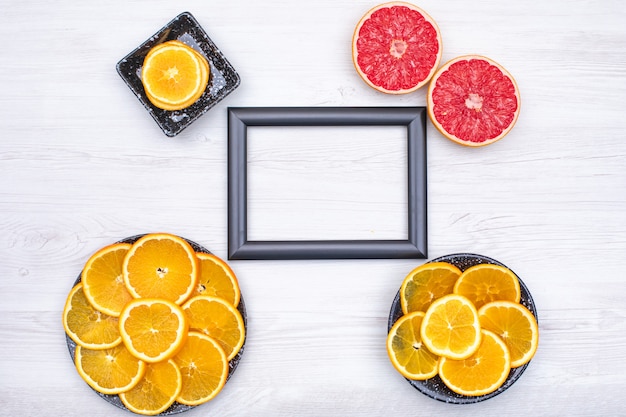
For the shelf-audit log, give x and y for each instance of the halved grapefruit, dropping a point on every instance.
(472, 100)
(396, 47)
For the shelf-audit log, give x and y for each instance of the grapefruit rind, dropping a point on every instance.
(355, 49)
(431, 105)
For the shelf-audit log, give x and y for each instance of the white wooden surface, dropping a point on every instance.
(83, 165)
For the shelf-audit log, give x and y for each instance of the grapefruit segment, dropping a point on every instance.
(474, 101)
(396, 47)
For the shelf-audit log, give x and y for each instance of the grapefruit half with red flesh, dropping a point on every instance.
(396, 47)
(472, 100)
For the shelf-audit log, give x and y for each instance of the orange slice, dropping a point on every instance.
(483, 372)
(450, 327)
(206, 68)
(156, 391)
(87, 326)
(204, 369)
(217, 279)
(109, 371)
(174, 75)
(407, 352)
(484, 283)
(218, 319)
(425, 284)
(103, 280)
(153, 330)
(161, 265)
(515, 325)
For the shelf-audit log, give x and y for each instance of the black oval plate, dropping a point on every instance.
(434, 387)
(176, 407)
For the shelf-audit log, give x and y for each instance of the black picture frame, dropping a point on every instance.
(241, 118)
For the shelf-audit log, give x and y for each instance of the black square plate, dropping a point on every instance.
(223, 79)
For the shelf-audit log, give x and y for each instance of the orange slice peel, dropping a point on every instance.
(406, 351)
(153, 330)
(163, 266)
(481, 373)
(218, 319)
(87, 326)
(109, 371)
(174, 75)
(204, 369)
(103, 279)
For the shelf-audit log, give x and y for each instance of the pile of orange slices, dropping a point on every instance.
(174, 75)
(467, 327)
(155, 322)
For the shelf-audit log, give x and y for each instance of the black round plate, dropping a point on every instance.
(176, 407)
(434, 387)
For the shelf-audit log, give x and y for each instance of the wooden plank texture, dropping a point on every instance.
(83, 165)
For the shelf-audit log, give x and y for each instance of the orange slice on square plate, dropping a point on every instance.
(174, 75)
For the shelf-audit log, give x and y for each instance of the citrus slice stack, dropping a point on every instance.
(130, 315)
(174, 75)
(473, 330)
